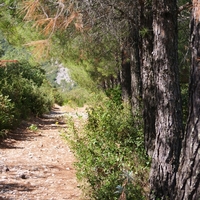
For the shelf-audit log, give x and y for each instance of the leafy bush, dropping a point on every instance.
(109, 153)
(24, 91)
(58, 96)
(32, 73)
(41, 98)
(115, 95)
(7, 112)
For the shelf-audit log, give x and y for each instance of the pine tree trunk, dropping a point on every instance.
(168, 120)
(188, 178)
(147, 75)
(125, 74)
(135, 61)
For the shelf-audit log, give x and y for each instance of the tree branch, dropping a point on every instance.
(122, 12)
(185, 7)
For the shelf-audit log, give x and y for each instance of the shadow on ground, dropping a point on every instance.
(23, 132)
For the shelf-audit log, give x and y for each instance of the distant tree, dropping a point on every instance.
(136, 84)
(125, 70)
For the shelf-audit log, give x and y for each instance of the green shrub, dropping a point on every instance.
(25, 70)
(115, 95)
(42, 99)
(7, 113)
(110, 148)
(58, 96)
(33, 127)
(24, 91)
(27, 96)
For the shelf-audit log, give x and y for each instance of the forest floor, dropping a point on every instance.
(39, 165)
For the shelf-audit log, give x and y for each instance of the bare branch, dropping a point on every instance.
(44, 11)
(186, 6)
(122, 12)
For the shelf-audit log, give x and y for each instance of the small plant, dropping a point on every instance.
(123, 189)
(144, 32)
(3, 133)
(33, 127)
(128, 189)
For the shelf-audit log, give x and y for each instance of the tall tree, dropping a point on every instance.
(135, 64)
(188, 178)
(168, 123)
(125, 71)
(147, 75)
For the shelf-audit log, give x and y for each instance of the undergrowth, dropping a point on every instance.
(109, 149)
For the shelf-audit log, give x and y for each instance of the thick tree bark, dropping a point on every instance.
(168, 123)
(188, 178)
(147, 75)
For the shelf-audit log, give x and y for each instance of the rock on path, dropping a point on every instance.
(37, 165)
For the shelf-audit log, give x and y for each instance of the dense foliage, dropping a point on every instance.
(24, 91)
(110, 152)
(7, 112)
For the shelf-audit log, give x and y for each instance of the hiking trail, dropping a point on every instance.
(38, 165)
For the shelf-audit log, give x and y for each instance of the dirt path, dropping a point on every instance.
(38, 165)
